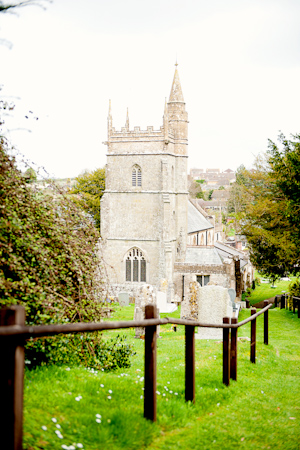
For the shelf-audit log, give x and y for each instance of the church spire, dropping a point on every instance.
(177, 116)
(176, 91)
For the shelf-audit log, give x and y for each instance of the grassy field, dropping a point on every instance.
(70, 408)
(265, 291)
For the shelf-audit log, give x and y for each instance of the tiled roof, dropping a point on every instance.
(226, 251)
(202, 255)
(196, 220)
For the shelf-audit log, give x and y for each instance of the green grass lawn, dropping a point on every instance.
(265, 291)
(259, 411)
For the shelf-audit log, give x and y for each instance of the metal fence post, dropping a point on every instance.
(12, 380)
(190, 363)
(266, 324)
(282, 303)
(253, 337)
(226, 353)
(150, 365)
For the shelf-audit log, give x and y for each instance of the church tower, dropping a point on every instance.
(144, 206)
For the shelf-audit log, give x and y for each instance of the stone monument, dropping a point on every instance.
(213, 304)
(146, 295)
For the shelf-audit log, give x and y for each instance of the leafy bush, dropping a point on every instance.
(89, 188)
(257, 281)
(49, 261)
(50, 264)
(248, 292)
(294, 288)
(87, 349)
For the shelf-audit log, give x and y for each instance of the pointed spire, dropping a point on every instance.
(176, 91)
(127, 120)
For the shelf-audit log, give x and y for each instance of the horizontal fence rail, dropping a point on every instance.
(26, 332)
(14, 332)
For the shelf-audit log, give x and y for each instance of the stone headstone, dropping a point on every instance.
(232, 294)
(123, 299)
(213, 304)
(145, 295)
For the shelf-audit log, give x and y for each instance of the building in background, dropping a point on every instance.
(151, 233)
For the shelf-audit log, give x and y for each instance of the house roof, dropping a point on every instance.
(202, 256)
(220, 194)
(226, 251)
(196, 220)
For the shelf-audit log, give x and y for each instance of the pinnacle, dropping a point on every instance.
(176, 92)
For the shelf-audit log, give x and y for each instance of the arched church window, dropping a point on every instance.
(135, 265)
(136, 176)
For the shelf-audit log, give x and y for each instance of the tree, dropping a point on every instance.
(238, 197)
(270, 218)
(30, 175)
(48, 252)
(50, 264)
(89, 188)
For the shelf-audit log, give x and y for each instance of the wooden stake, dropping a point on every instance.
(253, 337)
(266, 324)
(12, 381)
(150, 365)
(233, 351)
(190, 363)
(226, 353)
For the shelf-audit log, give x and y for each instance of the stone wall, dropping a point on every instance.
(220, 275)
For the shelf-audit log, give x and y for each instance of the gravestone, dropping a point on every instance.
(145, 295)
(123, 298)
(213, 304)
(232, 294)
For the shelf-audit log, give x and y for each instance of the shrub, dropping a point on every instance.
(50, 264)
(87, 349)
(258, 281)
(294, 288)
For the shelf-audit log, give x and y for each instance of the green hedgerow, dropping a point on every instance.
(87, 349)
(50, 264)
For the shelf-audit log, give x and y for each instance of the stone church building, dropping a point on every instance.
(151, 233)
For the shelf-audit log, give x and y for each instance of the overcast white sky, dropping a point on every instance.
(239, 65)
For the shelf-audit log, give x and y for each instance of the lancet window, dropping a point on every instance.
(136, 176)
(135, 265)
